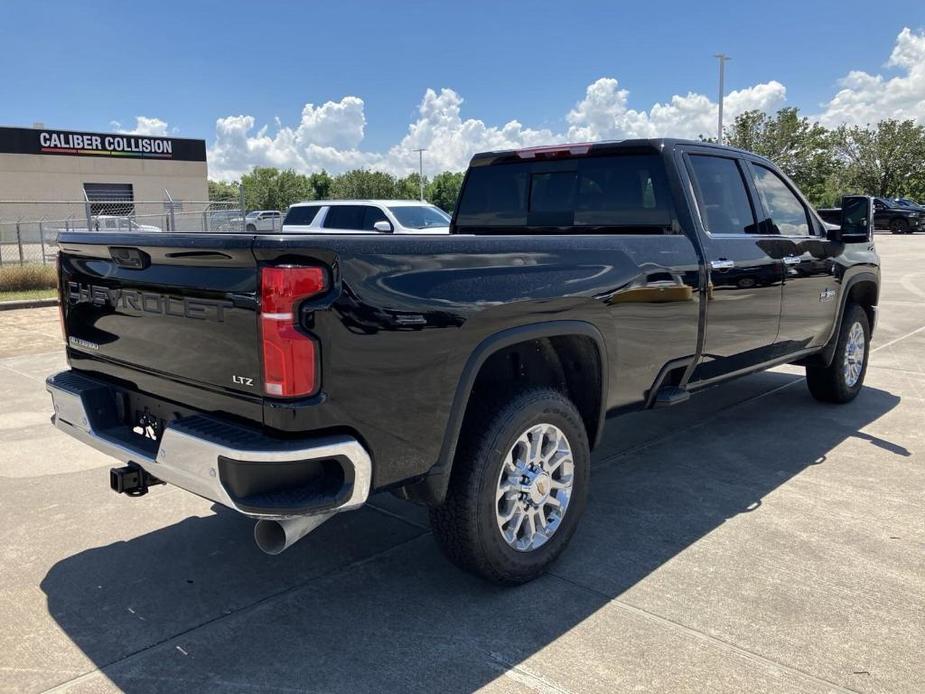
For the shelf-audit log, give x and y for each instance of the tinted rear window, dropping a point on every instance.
(304, 214)
(627, 193)
(345, 217)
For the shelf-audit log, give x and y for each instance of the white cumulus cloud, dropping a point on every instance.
(451, 141)
(865, 98)
(326, 137)
(330, 136)
(143, 126)
(604, 113)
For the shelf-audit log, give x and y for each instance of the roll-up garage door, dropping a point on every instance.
(110, 198)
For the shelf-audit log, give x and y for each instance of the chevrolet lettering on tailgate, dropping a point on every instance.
(148, 302)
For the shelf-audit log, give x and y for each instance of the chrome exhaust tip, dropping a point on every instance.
(276, 536)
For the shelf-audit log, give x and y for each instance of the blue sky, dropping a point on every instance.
(85, 65)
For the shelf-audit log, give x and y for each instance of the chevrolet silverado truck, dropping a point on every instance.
(289, 377)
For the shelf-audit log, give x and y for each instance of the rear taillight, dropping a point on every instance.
(290, 357)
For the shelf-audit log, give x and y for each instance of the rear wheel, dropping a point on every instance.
(899, 226)
(518, 488)
(843, 379)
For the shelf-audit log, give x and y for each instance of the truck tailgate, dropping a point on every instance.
(179, 306)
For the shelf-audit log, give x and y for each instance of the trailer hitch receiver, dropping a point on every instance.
(132, 480)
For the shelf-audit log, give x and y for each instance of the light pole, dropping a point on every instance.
(722, 78)
(421, 169)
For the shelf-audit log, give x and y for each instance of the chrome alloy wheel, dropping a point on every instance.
(534, 487)
(854, 355)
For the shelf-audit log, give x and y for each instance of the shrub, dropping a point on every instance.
(14, 278)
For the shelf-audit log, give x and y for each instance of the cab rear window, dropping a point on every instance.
(623, 193)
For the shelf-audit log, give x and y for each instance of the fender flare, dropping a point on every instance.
(828, 352)
(432, 489)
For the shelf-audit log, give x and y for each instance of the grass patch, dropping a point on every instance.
(29, 294)
(24, 278)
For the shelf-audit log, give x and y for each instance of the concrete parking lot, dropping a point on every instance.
(749, 540)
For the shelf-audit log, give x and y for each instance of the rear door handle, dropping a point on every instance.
(792, 260)
(722, 264)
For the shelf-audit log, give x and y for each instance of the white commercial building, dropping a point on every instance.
(45, 165)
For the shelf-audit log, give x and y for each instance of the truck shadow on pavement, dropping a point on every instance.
(367, 603)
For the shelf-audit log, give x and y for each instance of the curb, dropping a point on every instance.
(27, 303)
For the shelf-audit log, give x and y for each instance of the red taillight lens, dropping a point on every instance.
(289, 356)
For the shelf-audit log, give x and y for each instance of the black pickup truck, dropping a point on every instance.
(888, 214)
(288, 377)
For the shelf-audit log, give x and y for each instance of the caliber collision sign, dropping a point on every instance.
(65, 142)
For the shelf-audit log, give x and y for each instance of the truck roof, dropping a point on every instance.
(654, 144)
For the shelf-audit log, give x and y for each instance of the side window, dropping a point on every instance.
(788, 216)
(724, 202)
(371, 215)
(303, 214)
(345, 217)
(625, 191)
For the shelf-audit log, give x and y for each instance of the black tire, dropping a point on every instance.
(898, 225)
(251, 228)
(466, 525)
(830, 383)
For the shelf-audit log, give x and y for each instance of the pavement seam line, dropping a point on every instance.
(898, 339)
(246, 609)
(702, 636)
(394, 515)
(39, 379)
(520, 674)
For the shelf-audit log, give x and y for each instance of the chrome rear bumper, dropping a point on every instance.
(209, 457)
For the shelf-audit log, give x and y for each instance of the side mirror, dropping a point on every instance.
(857, 218)
(383, 226)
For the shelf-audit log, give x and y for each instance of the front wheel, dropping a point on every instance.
(251, 228)
(843, 379)
(518, 488)
(899, 226)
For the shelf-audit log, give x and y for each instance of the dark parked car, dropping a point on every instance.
(900, 219)
(909, 204)
(888, 214)
(288, 377)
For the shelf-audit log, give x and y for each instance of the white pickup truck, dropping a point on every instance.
(264, 220)
(106, 222)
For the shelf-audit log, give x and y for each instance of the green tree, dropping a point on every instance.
(443, 190)
(885, 160)
(321, 184)
(360, 184)
(267, 188)
(409, 187)
(223, 191)
(804, 150)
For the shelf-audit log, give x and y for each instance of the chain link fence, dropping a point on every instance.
(29, 229)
